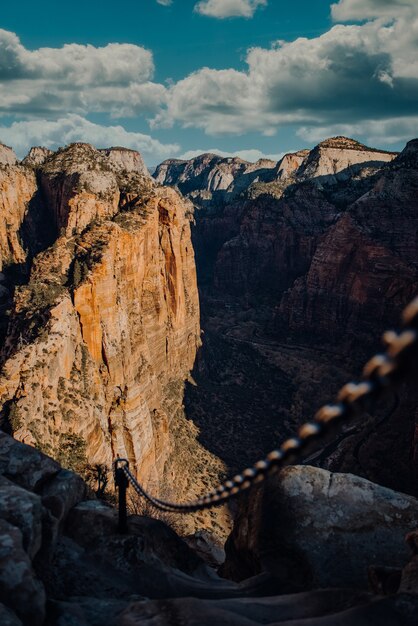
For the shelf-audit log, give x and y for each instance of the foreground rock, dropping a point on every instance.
(314, 528)
(63, 561)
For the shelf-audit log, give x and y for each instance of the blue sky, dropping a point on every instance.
(240, 76)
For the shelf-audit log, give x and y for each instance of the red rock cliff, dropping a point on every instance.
(106, 331)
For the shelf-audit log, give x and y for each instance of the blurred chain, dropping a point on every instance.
(382, 373)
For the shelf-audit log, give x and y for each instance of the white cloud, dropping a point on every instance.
(347, 10)
(165, 3)
(53, 134)
(80, 78)
(350, 73)
(222, 9)
(374, 132)
(250, 155)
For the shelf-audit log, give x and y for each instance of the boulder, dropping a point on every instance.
(23, 510)
(19, 587)
(24, 465)
(321, 529)
(62, 493)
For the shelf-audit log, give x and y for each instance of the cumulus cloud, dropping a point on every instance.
(251, 155)
(55, 133)
(354, 10)
(165, 3)
(376, 132)
(350, 73)
(116, 79)
(222, 9)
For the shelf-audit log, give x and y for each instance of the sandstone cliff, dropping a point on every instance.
(338, 159)
(365, 266)
(17, 188)
(106, 331)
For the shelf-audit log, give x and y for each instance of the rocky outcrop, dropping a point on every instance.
(7, 156)
(64, 561)
(338, 159)
(208, 172)
(313, 527)
(79, 186)
(37, 156)
(290, 164)
(365, 268)
(125, 160)
(211, 180)
(59, 542)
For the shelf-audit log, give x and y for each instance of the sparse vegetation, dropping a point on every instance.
(14, 418)
(80, 272)
(72, 452)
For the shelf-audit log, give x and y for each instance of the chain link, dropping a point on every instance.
(384, 371)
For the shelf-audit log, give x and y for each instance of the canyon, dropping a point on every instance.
(189, 321)
(299, 275)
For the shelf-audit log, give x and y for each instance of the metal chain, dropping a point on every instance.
(384, 371)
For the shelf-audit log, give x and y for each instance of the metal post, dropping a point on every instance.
(122, 484)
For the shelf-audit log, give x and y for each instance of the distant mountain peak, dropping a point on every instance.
(342, 143)
(346, 143)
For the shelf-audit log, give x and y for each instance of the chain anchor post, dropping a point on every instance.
(122, 484)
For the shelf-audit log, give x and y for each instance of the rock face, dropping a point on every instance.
(63, 560)
(365, 266)
(7, 156)
(290, 164)
(211, 179)
(79, 188)
(37, 156)
(315, 527)
(106, 330)
(339, 159)
(17, 189)
(125, 160)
